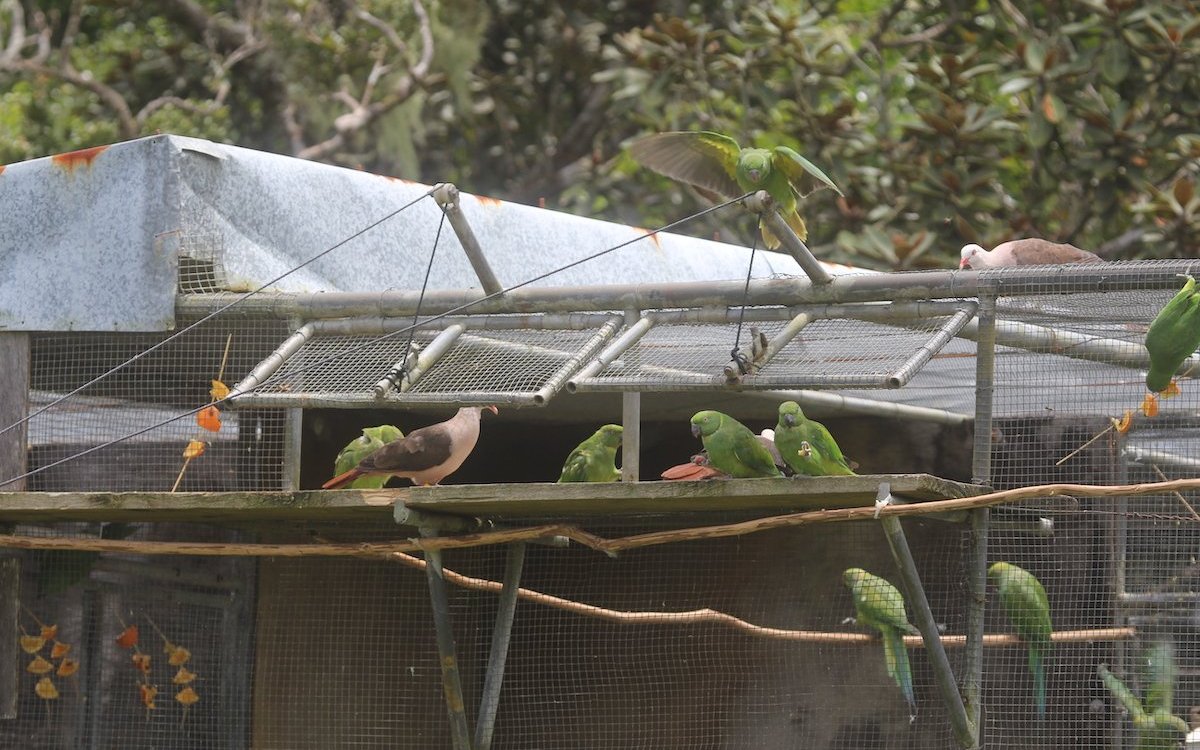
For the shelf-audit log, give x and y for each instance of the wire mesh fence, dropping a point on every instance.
(320, 653)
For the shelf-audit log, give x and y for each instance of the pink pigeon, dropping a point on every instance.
(1026, 252)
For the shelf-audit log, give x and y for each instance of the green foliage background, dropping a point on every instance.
(944, 123)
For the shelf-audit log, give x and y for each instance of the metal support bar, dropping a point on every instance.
(981, 473)
(555, 382)
(934, 345)
(774, 346)
(761, 203)
(1043, 340)
(501, 632)
(632, 335)
(860, 287)
(429, 356)
(631, 436)
(460, 732)
(964, 732)
(1159, 458)
(376, 325)
(274, 361)
(446, 195)
(442, 522)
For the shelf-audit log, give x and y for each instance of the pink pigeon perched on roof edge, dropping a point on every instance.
(1026, 252)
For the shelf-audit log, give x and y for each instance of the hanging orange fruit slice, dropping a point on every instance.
(194, 449)
(59, 650)
(48, 632)
(183, 676)
(209, 418)
(1171, 390)
(148, 692)
(38, 666)
(67, 667)
(1149, 405)
(1122, 426)
(45, 689)
(128, 637)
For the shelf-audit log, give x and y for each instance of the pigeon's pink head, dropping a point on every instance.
(972, 256)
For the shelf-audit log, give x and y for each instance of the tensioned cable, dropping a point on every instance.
(215, 313)
(391, 334)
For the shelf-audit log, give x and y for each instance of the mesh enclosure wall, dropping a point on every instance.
(341, 653)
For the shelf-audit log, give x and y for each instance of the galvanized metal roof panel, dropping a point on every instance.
(90, 240)
(81, 240)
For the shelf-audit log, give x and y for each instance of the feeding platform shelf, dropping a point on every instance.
(492, 501)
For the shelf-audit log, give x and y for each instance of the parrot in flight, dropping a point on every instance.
(732, 447)
(1024, 601)
(594, 460)
(371, 440)
(717, 166)
(1173, 336)
(1158, 728)
(822, 456)
(880, 605)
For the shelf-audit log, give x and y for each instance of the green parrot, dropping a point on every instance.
(594, 460)
(1158, 728)
(822, 457)
(1028, 609)
(732, 447)
(880, 605)
(1173, 336)
(716, 164)
(371, 440)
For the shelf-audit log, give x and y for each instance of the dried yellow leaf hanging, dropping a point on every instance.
(38, 666)
(183, 676)
(218, 391)
(178, 655)
(187, 696)
(31, 644)
(45, 689)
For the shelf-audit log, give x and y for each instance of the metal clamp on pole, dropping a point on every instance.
(446, 195)
(761, 203)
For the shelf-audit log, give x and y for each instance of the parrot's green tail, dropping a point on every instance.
(1037, 668)
(899, 668)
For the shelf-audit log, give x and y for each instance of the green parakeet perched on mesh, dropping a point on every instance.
(371, 440)
(1173, 336)
(1158, 728)
(821, 458)
(715, 163)
(1024, 601)
(594, 460)
(880, 605)
(732, 447)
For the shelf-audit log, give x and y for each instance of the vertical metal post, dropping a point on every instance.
(631, 435)
(492, 682)
(10, 634)
(14, 407)
(923, 615)
(460, 731)
(981, 473)
(1118, 529)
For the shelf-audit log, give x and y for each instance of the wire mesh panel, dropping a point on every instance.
(130, 430)
(827, 352)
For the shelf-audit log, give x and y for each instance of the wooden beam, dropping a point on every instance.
(524, 501)
(14, 403)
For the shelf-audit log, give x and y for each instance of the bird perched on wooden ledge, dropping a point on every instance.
(427, 455)
(1027, 252)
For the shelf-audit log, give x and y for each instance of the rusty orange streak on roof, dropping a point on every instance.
(83, 157)
(653, 237)
(485, 200)
(2, 169)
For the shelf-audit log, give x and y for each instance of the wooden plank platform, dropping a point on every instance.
(532, 501)
(527, 501)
